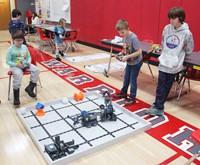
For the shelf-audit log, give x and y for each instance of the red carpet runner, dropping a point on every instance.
(167, 129)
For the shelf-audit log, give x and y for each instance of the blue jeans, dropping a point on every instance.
(165, 82)
(130, 77)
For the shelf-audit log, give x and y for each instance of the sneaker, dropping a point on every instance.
(152, 106)
(120, 95)
(58, 58)
(130, 101)
(152, 111)
(61, 53)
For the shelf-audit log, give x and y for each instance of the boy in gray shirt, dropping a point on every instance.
(133, 58)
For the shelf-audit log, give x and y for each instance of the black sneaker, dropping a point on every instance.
(120, 95)
(130, 101)
(61, 53)
(58, 58)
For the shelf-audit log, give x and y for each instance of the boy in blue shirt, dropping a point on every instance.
(16, 24)
(133, 58)
(19, 60)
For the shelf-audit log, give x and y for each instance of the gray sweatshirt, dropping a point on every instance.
(176, 43)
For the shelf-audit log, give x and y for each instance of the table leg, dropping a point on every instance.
(28, 33)
(106, 72)
(52, 44)
(53, 47)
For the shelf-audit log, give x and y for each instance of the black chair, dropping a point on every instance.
(189, 74)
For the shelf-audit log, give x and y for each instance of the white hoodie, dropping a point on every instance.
(176, 44)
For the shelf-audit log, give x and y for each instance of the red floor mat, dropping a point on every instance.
(167, 129)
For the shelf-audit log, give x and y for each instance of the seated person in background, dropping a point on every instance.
(59, 36)
(19, 60)
(16, 24)
(35, 21)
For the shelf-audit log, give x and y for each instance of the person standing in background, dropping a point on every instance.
(16, 24)
(59, 32)
(35, 20)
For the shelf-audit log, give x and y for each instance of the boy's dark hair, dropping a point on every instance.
(15, 13)
(17, 34)
(121, 25)
(177, 12)
(35, 15)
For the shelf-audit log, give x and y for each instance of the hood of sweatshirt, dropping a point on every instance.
(175, 43)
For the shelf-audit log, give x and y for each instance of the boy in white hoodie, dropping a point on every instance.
(177, 41)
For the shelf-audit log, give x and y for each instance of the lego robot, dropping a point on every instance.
(107, 110)
(59, 148)
(87, 119)
(125, 51)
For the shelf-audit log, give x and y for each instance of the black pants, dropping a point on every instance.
(165, 82)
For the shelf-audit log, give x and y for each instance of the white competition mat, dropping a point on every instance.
(56, 122)
(88, 57)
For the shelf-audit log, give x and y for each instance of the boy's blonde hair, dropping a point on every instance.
(121, 25)
(62, 22)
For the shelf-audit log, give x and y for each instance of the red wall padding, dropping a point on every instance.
(165, 6)
(192, 9)
(147, 18)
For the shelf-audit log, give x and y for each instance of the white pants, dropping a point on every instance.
(18, 74)
(59, 47)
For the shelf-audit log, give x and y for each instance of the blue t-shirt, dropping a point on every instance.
(16, 25)
(59, 31)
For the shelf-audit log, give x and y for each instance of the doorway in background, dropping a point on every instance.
(5, 15)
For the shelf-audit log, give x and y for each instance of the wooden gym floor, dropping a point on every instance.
(18, 148)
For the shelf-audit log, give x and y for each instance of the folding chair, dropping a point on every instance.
(189, 74)
(24, 73)
(45, 40)
(29, 16)
(72, 39)
(196, 136)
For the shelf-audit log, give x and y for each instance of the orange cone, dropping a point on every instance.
(79, 96)
(40, 109)
(76, 97)
(40, 112)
